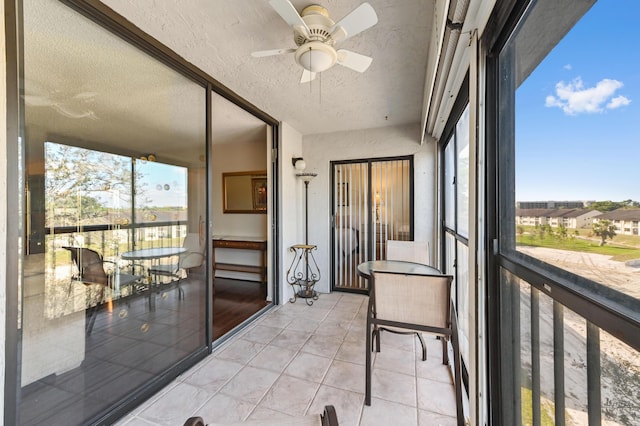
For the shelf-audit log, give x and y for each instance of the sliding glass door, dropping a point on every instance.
(372, 203)
(115, 172)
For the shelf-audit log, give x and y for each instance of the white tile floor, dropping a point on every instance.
(296, 359)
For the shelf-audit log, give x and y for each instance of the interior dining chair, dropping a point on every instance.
(414, 303)
(91, 270)
(408, 251)
(192, 258)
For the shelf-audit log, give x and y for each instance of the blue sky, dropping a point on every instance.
(578, 113)
(165, 184)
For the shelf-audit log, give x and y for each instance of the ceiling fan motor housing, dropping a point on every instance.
(315, 52)
(317, 19)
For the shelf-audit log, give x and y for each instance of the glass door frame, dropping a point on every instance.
(370, 230)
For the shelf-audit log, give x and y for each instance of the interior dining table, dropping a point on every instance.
(152, 256)
(397, 266)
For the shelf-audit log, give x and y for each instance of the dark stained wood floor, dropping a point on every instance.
(234, 302)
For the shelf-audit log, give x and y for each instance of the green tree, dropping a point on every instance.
(631, 203)
(604, 229)
(548, 230)
(608, 205)
(562, 232)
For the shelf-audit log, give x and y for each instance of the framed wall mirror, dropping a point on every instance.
(244, 192)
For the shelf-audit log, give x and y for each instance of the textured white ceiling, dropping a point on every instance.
(84, 85)
(218, 36)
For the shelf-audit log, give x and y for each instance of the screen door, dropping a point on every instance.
(371, 203)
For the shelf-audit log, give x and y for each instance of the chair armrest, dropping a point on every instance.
(109, 268)
(329, 417)
(194, 421)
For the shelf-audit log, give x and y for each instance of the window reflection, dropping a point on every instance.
(88, 203)
(96, 325)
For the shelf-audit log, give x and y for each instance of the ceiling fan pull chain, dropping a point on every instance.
(320, 83)
(310, 60)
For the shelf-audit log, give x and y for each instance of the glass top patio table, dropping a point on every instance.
(152, 253)
(153, 256)
(398, 266)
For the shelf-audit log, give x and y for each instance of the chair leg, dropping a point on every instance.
(92, 312)
(368, 347)
(424, 347)
(445, 352)
(373, 339)
(180, 290)
(457, 367)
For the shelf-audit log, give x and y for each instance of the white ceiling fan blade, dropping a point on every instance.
(358, 20)
(85, 95)
(307, 76)
(71, 113)
(353, 60)
(273, 52)
(291, 16)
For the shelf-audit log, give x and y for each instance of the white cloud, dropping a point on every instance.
(568, 67)
(573, 98)
(618, 101)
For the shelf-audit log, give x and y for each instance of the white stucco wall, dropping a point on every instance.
(291, 219)
(319, 150)
(237, 157)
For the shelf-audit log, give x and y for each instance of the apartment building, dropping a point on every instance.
(625, 220)
(569, 218)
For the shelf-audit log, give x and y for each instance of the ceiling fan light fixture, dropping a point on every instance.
(316, 56)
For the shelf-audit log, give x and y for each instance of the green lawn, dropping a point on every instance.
(547, 409)
(617, 252)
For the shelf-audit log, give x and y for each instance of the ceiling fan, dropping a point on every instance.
(316, 35)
